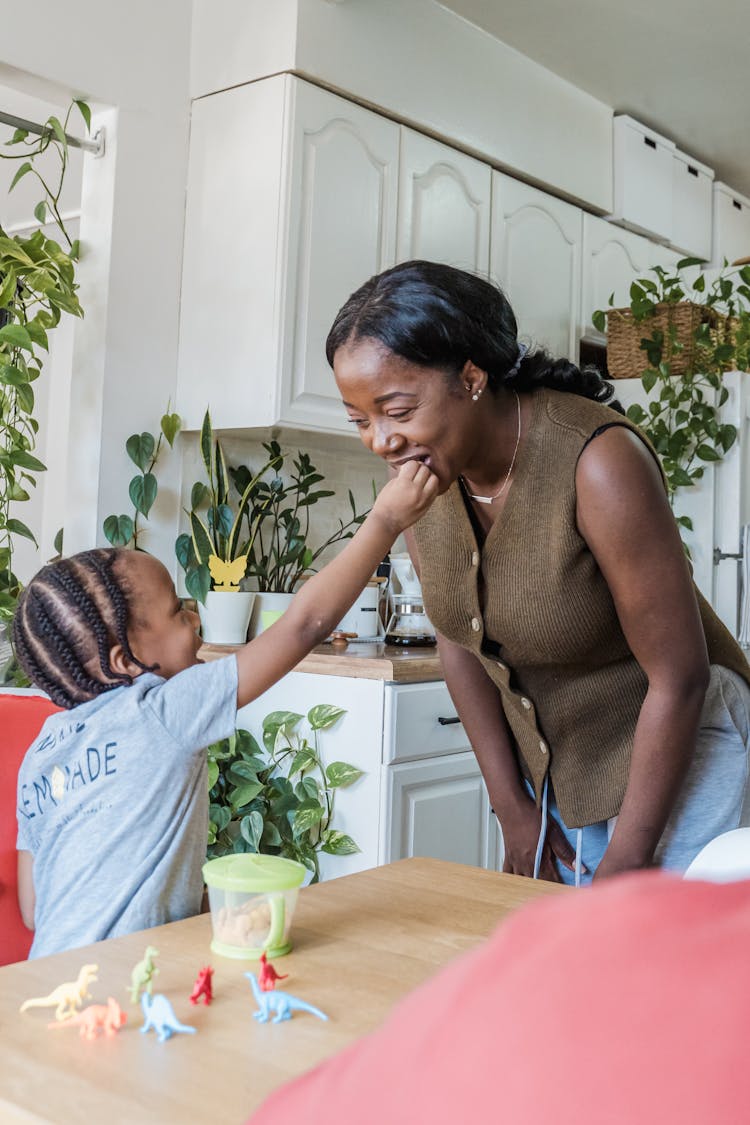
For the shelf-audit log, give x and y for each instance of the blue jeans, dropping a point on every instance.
(713, 798)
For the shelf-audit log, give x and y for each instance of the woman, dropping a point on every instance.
(606, 703)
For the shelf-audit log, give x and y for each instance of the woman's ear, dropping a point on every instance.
(474, 379)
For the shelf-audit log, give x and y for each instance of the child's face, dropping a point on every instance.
(161, 631)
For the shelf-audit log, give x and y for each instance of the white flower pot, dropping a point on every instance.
(225, 616)
(267, 609)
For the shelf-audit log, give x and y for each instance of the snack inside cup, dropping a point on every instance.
(252, 900)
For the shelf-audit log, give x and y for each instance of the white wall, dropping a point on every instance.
(131, 62)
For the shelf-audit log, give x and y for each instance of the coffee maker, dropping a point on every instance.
(408, 624)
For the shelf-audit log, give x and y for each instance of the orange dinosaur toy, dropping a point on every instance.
(97, 1018)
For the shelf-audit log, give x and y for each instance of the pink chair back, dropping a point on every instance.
(21, 718)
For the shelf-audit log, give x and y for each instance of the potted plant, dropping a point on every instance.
(281, 550)
(680, 348)
(215, 553)
(37, 287)
(279, 799)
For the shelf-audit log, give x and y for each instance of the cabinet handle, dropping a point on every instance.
(448, 721)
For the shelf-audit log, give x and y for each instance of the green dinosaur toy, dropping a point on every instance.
(142, 977)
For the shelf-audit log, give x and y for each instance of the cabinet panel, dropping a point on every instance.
(412, 723)
(612, 258)
(342, 229)
(291, 204)
(536, 259)
(229, 341)
(444, 204)
(438, 809)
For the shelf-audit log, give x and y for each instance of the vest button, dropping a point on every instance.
(475, 624)
(543, 746)
(526, 704)
(475, 558)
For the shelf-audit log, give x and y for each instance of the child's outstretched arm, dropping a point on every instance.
(325, 598)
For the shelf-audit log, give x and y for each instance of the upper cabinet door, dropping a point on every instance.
(536, 259)
(612, 259)
(443, 205)
(342, 229)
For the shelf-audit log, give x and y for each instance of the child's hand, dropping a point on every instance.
(406, 497)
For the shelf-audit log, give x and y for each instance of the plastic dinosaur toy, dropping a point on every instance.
(142, 977)
(202, 986)
(268, 976)
(159, 1015)
(282, 1003)
(66, 997)
(97, 1018)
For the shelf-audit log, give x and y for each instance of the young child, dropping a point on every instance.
(112, 796)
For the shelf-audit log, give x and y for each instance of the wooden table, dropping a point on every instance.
(361, 942)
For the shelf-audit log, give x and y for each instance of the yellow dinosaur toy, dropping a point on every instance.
(66, 997)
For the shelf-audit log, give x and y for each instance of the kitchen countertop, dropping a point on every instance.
(366, 660)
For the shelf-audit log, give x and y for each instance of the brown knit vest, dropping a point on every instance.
(571, 688)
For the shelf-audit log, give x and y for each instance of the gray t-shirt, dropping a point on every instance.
(113, 805)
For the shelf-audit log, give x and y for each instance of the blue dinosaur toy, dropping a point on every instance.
(159, 1014)
(282, 1003)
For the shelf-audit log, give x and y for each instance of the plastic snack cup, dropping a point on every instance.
(252, 900)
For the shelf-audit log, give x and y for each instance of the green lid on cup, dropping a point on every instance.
(253, 874)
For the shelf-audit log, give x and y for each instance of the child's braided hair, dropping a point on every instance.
(72, 611)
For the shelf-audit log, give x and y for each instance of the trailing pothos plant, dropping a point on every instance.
(143, 450)
(682, 418)
(278, 799)
(37, 287)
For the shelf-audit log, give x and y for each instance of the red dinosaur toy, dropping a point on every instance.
(268, 976)
(202, 986)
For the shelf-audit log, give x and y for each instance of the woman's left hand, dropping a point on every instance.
(614, 864)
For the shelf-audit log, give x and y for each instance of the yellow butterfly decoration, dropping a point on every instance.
(227, 575)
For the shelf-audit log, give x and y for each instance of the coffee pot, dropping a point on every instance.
(408, 624)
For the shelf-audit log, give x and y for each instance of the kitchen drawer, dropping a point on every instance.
(412, 723)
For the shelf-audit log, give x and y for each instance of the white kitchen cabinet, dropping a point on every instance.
(421, 792)
(291, 205)
(612, 259)
(443, 204)
(437, 808)
(536, 258)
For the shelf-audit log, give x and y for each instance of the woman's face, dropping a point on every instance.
(405, 412)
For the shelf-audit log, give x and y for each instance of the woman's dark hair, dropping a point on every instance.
(72, 611)
(438, 316)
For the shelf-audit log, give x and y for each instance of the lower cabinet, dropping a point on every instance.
(421, 792)
(438, 807)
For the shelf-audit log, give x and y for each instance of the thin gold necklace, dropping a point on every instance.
(504, 485)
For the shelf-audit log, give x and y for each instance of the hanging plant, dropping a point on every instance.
(37, 286)
(679, 336)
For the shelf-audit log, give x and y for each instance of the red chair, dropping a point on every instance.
(21, 717)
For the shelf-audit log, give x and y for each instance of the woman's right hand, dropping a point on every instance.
(406, 497)
(520, 837)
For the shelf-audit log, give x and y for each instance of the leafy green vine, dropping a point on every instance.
(37, 286)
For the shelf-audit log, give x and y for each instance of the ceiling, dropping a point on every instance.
(681, 67)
